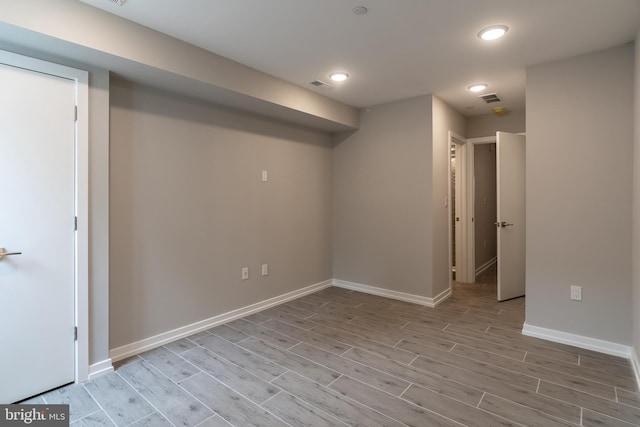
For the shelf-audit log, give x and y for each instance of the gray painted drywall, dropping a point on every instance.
(636, 207)
(188, 210)
(382, 187)
(391, 224)
(488, 124)
(579, 188)
(444, 119)
(77, 31)
(484, 162)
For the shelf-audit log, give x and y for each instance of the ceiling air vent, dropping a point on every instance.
(318, 83)
(490, 98)
(118, 2)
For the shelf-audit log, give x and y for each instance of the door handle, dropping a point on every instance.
(502, 224)
(4, 253)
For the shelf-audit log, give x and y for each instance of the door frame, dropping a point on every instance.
(464, 260)
(81, 261)
(465, 251)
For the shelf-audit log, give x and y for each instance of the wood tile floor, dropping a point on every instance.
(339, 357)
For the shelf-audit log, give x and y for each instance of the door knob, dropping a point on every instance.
(4, 253)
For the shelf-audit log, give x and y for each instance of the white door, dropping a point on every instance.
(510, 177)
(37, 212)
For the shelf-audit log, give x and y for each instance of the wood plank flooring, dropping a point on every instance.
(343, 358)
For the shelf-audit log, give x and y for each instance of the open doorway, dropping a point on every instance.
(487, 230)
(473, 203)
(484, 207)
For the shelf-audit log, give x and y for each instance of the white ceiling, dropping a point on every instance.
(400, 48)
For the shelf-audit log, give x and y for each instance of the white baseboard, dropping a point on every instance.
(137, 347)
(580, 341)
(635, 364)
(101, 368)
(402, 296)
(486, 266)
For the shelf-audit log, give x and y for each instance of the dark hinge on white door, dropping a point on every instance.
(75, 223)
(75, 113)
(75, 333)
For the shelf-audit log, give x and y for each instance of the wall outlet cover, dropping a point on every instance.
(576, 293)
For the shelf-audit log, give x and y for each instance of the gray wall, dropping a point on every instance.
(484, 162)
(444, 119)
(382, 198)
(636, 207)
(488, 124)
(391, 225)
(579, 179)
(188, 210)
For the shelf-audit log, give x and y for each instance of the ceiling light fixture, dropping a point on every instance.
(494, 32)
(477, 87)
(339, 77)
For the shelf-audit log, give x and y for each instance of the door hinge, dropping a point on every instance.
(75, 223)
(75, 113)
(75, 333)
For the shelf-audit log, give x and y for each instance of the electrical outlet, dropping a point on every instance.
(265, 176)
(245, 273)
(265, 270)
(576, 293)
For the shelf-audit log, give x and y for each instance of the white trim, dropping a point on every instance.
(82, 233)
(464, 210)
(580, 341)
(134, 348)
(101, 368)
(483, 140)
(448, 202)
(635, 364)
(486, 265)
(441, 297)
(81, 78)
(402, 296)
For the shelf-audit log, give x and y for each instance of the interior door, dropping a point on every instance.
(37, 213)
(510, 178)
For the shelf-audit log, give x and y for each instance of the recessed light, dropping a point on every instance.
(339, 77)
(494, 32)
(478, 87)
